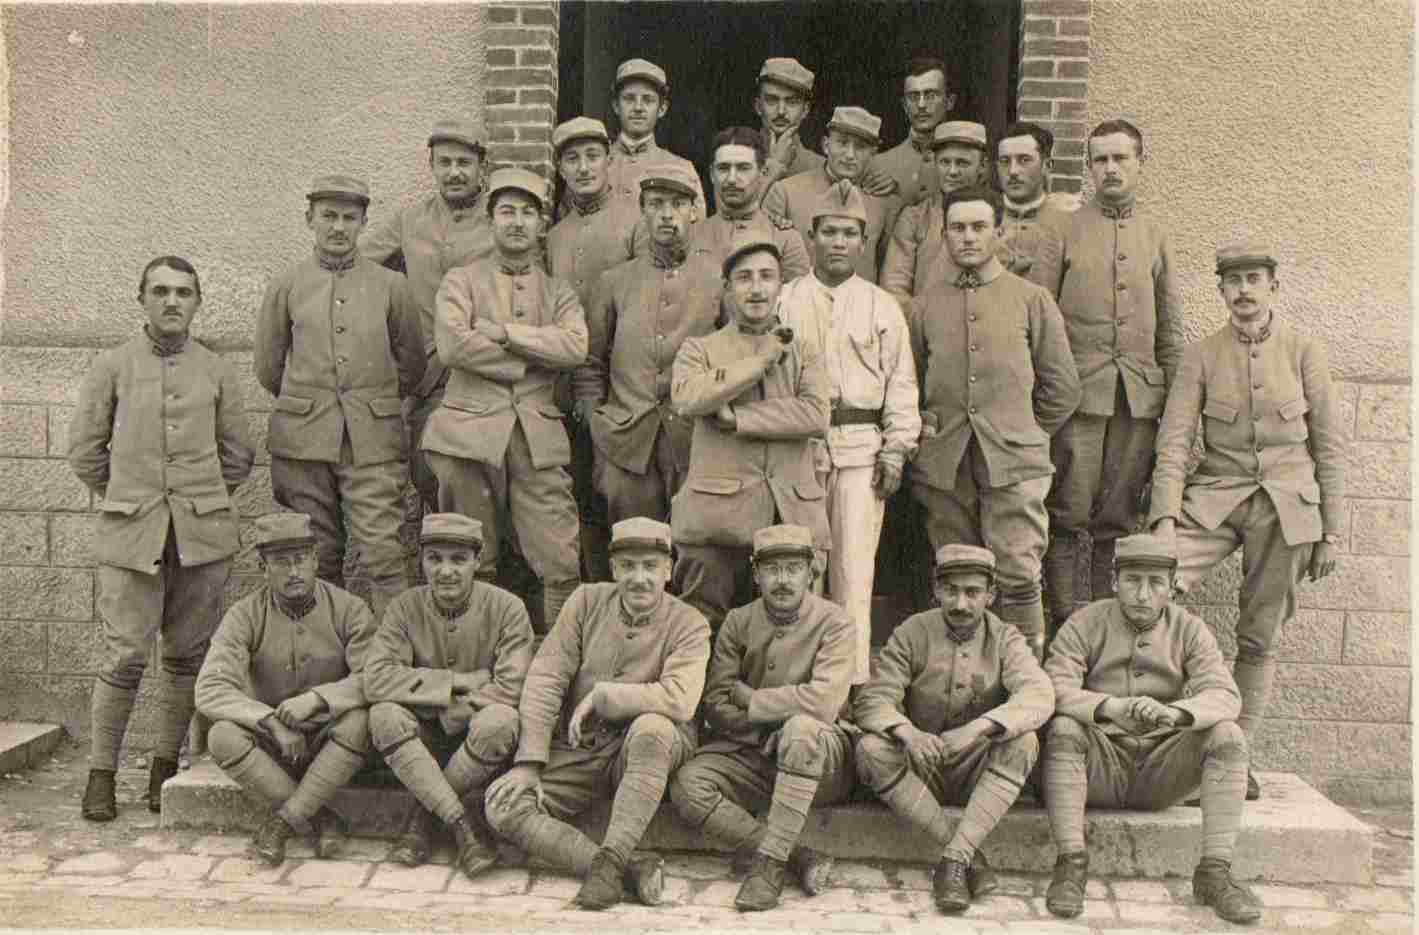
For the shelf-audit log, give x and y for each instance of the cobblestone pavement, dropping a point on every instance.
(59, 871)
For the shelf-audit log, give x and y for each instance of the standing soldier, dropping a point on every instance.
(931, 743)
(739, 173)
(959, 150)
(1272, 477)
(783, 99)
(1146, 714)
(291, 733)
(852, 139)
(1034, 219)
(160, 437)
(758, 395)
(999, 381)
(777, 681)
(1123, 311)
(497, 445)
(593, 235)
(440, 230)
(642, 312)
(338, 345)
(607, 712)
(444, 674)
(926, 101)
(875, 420)
(639, 98)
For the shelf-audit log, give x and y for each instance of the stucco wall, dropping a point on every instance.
(1290, 121)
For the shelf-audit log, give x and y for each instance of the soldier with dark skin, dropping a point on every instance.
(160, 437)
(777, 682)
(1146, 712)
(931, 742)
(290, 734)
(443, 676)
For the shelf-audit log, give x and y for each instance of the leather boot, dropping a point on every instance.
(761, 889)
(416, 841)
(1212, 885)
(100, 801)
(604, 882)
(814, 869)
(331, 834)
(949, 887)
(475, 851)
(981, 877)
(159, 771)
(645, 878)
(1065, 897)
(269, 843)
(1060, 570)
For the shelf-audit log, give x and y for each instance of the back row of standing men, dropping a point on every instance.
(804, 408)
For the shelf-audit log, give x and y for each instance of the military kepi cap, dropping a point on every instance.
(639, 68)
(1145, 549)
(674, 178)
(519, 179)
(339, 187)
(841, 200)
(959, 557)
(781, 540)
(789, 73)
(640, 532)
(1244, 253)
(451, 527)
(579, 128)
(959, 131)
(857, 121)
(282, 530)
(467, 132)
(749, 240)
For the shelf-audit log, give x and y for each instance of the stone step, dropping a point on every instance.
(1293, 835)
(23, 743)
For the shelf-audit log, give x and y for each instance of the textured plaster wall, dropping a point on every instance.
(1290, 121)
(193, 129)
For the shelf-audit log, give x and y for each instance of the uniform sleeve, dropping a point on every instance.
(881, 704)
(776, 202)
(901, 412)
(390, 672)
(796, 259)
(560, 345)
(697, 389)
(406, 336)
(1327, 435)
(91, 428)
(682, 676)
(235, 452)
(223, 689)
(273, 335)
(724, 715)
(384, 242)
(1031, 700)
(823, 695)
(803, 415)
(1176, 434)
(460, 345)
(1057, 391)
(1051, 263)
(549, 677)
(1071, 657)
(1168, 311)
(592, 378)
(512, 657)
(916, 334)
(899, 266)
(356, 628)
(1210, 694)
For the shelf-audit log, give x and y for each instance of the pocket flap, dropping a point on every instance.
(465, 405)
(295, 404)
(385, 406)
(617, 417)
(121, 507)
(210, 503)
(1155, 376)
(1220, 411)
(1028, 438)
(1295, 408)
(807, 491)
(550, 412)
(716, 485)
(1310, 494)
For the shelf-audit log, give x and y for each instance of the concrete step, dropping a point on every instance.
(23, 744)
(1293, 835)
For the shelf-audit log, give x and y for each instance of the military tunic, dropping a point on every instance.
(912, 164)
(794, 199)
(717, 232)
(631, 162)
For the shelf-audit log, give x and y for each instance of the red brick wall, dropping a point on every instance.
(1054, 81)
(520, 97)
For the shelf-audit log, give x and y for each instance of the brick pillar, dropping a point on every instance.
(520, 96)
(1054, 81)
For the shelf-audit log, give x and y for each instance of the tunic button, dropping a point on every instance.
(342, 360)
(1256, 386)
(973, 410)
(973, 347)
(339, 301)
(973, 379)
(458, 215)
(1256, 353)
(517, 285)
(960, 686)
(517, 313)
(172, 458)
(1122, 287)
(973, 318)
(1138, 675)
(172, 363)
(1258, 449)
(452, 662)
(172, 428)
(777, 634)
(1122, 257)
(772, 665)
(339, 329)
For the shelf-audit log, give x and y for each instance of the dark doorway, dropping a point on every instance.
(712, 53)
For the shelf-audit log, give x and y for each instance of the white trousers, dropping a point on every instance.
(855, 517)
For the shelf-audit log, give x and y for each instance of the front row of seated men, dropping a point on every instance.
(498, 742)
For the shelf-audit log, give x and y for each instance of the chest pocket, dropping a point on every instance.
(867, 347)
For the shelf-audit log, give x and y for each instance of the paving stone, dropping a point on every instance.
(1004, 908)
(1047, 927)
(98, 862)
(848, 922)
(948, 925)
(1143, 891)
(1403, 879)
(161, 842)
(429, 878)
(554, 885)
(499, 881)
(1310, 919)
(859, 876)
(327, 873)
(220, 845)
(902, 902)
(717, 893)
(311, 896)
(677, 891)
(1373, 899)
(225, 893)
(24, 863)
(244, 870)
(80, 880)
(1392, 922)
(18, 879)
(368, 849)
(1290, 896)
(837, 899)
(697, 866)
(1151, 913)
(174, 867)
(392, 902)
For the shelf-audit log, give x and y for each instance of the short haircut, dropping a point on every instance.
(1110, 127)
(922, 64)
(976, 193)
(1043, 138)
(172, 262)
(741, 136)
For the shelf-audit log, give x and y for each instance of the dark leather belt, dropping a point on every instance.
(845, 416)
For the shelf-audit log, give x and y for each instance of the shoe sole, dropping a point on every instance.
(819, 879)
(99, 816)
(1254, 916)
(952, 907)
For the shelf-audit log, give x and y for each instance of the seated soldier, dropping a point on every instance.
(1147, 710)
(608, 711)
(780, 674)
(289, 734)
(951, 710)
(444, 674)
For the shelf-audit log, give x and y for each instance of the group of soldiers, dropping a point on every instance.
(746, 393)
